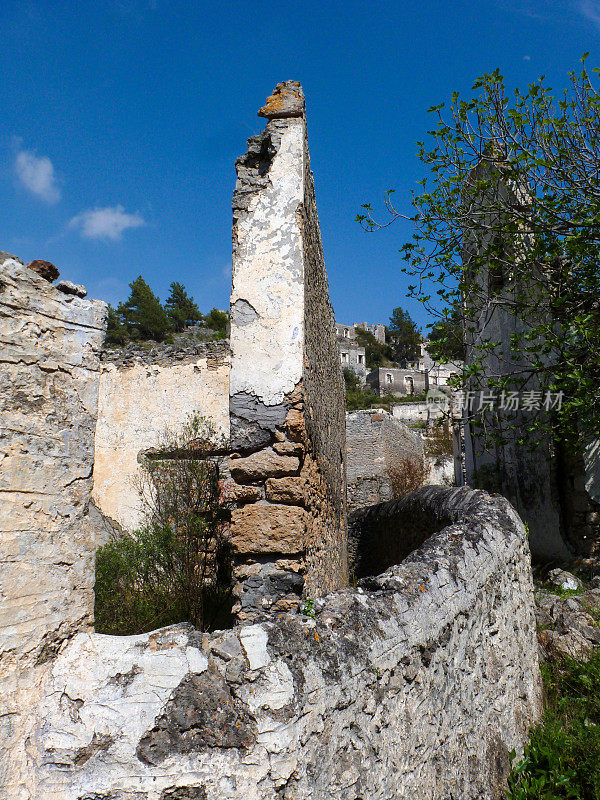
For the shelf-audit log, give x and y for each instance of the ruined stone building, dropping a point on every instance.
(353, 357)
(397, 381)
(349, 331)
(408, 671)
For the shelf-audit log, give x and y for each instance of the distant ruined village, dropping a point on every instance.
(385, 633)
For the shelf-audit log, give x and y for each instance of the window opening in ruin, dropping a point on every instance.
(177, 567)
(389, 378)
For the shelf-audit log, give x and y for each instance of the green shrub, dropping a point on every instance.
(217, 321)
(177, 566)
(562, 759)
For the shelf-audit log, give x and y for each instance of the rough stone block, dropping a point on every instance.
(266, 464)
(268, 529)
(288, 448)
(44, 269)
(294, 425)
(241, 494)
(286, 490)
(287, 100)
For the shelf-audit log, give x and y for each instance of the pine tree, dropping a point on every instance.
(217, 321)
(143, 313)
(116, 331)
(405, 339)
(182, 309)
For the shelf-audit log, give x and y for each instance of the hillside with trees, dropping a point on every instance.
(142, 317)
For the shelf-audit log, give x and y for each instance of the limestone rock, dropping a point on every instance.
(556, 646)
(265, 464)
(44, 269)
(67, 287)
(8, 257)
(564, 580)
(287, 100)
(268, 529)
(286, 490)
(565, 625)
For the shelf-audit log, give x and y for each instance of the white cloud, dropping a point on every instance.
(591, 10)
(36, 174)
(105, 223)
(526, 58)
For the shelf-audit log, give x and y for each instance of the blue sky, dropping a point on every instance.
(122, 119)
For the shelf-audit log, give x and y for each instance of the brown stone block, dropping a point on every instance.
(287, 100)
(44, 269)
(288, 448)
(265, 464)
(294, 425)
(241, 494)
(268, 529)
(286, 490)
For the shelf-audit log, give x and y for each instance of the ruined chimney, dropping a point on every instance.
(286, 389)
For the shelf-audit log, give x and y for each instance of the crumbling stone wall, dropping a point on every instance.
(286, 388)
(138, 399)
(377, 446)
(415, 686)
(50, 343)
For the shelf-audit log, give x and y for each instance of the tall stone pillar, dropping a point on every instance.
(286, 389)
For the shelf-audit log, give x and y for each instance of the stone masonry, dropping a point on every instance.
(377, 446)
(286, 390)
(416, 686)
(415, 683)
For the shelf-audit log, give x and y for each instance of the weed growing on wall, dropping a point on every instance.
(406, 475)
(177, 566)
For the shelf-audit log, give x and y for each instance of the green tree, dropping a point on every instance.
(116, 330)
(509, 217)
(376, 353)
(404, 336)
(181, 309)
(217, 321)
(356, 396)
(177, 566)
(446, 339)
(143, 313)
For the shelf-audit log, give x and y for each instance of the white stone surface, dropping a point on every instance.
(135, 406)
(415, 690)
(268, 274)
(254, 641)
